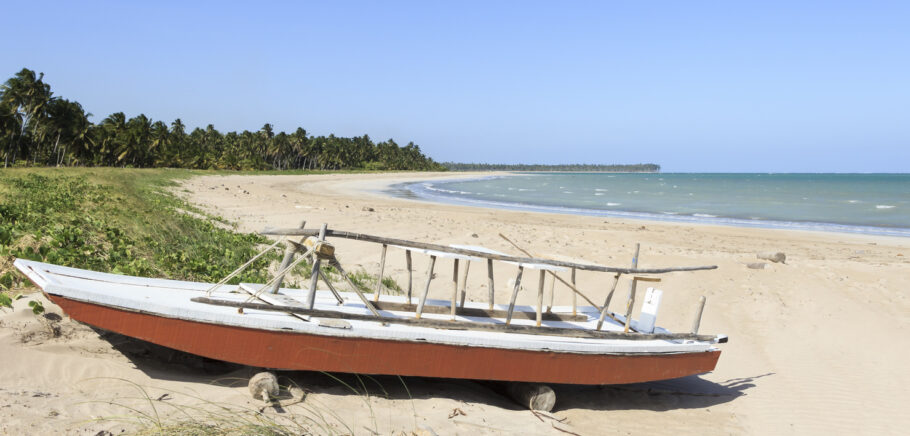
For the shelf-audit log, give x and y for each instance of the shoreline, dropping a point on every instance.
(411, 190)
(390, 183)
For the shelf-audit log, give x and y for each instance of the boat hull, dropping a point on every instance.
(305, 351)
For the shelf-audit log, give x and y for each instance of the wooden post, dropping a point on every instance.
(426, 290)
(552, 294)
(464, 282)
(540, 282)
(490, 279)
(481, 254)
(606, 309)
(337, 264)
(630, 304)
(534, 396)
(331, 288)
(407, 261)
(314, 275)
(697, 321)
(288, 257)
(454, 286)
(574, 295)
(521, 268)
(556, 263)
(381, 271)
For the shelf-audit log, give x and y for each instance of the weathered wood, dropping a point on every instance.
(630, 303)
(381, 272)
(331, 287)
(241, 268)
(407, 261)
(426, 289)
(698, 312)
(464, 283)
(540, 282)
(490, 280)
(454, 286)
(289, 251)
(477, 312)
(534, 396)
(574, 295)
(463, 325)
(514, 294)
(552, 294)
(337, 264)
(572, 287)
(480, 254)
(605, 312)
(314, 275)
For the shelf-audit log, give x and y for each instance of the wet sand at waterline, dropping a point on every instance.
(817, 345)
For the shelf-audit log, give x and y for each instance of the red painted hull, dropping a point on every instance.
(299, 351)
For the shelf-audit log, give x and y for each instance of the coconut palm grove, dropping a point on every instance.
(38, 128)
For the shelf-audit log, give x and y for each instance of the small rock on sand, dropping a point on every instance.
(368, 209)
(264, 386)
(776, 257)
(756, 265)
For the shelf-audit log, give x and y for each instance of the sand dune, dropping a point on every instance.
(818, 345)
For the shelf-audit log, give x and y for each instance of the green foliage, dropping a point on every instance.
(41, 129)
(5, 301)
(366, 282)
(37, 307)
(632, 168)
(119, 221)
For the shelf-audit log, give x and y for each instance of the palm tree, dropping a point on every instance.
(27, 95)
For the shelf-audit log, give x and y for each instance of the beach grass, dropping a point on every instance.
(127, 221)
(117, 220)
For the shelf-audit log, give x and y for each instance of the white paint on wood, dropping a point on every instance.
(649, 310)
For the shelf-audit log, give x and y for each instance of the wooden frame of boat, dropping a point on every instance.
(265, 325)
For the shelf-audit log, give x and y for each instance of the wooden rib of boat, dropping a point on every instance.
(340, 332)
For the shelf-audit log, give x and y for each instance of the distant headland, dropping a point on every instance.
(629, 168)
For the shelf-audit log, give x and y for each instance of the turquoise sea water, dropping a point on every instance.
(858, 203)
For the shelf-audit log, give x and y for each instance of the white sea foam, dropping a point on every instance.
(613, 204)
(704, 215)
(884, 206)
(567, 192)
(599, 193)
(852, 201)
(601, 189)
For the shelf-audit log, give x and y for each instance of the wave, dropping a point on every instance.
(884, 206)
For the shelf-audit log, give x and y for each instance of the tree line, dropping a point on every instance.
(633, 168)
(38, 128)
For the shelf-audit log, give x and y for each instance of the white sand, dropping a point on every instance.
(818, 345)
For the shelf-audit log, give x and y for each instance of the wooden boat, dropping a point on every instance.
(327, 330)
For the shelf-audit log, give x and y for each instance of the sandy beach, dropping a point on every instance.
(817, 344)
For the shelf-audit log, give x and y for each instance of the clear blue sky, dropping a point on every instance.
(694, 86)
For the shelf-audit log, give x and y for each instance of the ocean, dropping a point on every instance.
(855, 203)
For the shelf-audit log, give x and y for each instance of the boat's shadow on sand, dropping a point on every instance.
(683, 393)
